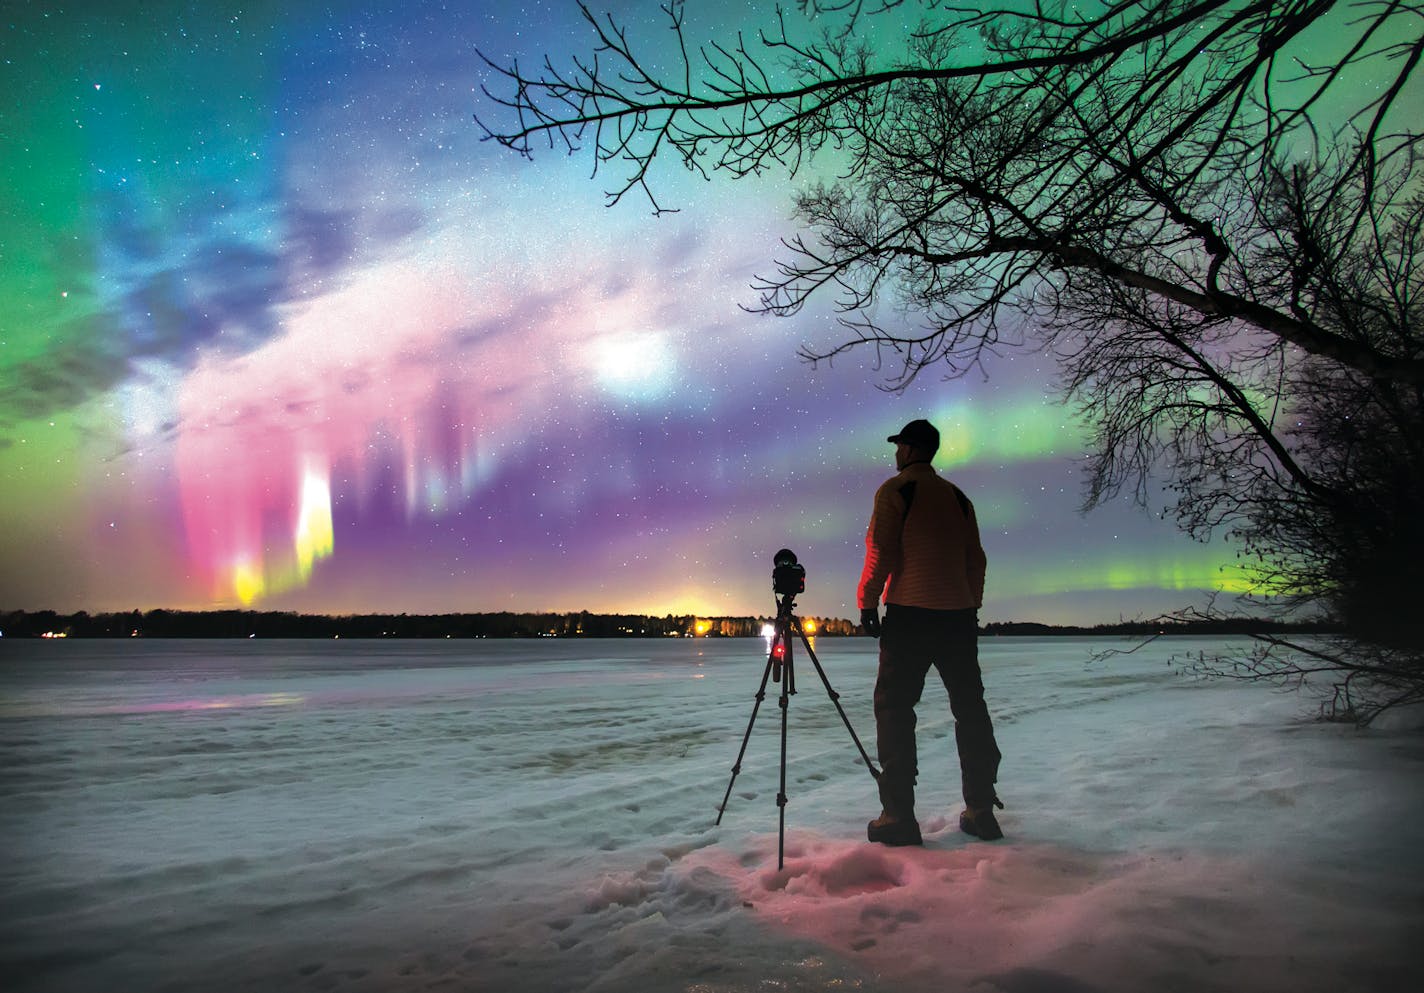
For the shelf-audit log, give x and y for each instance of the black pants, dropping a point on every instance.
(911, 640)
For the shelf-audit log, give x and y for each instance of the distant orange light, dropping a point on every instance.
(809, 626)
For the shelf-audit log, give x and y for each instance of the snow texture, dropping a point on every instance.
(539, 815)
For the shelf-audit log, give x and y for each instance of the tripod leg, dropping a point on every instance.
(787, 688)
(736, 768)
(835, 699)
(790, 671)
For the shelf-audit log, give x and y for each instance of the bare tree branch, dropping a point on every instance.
(1215, 230)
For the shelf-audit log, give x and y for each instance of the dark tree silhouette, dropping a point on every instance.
(1208, 211)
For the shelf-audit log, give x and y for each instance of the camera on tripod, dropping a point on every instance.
(788, 577)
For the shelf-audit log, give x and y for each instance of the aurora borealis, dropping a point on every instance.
(277, 328)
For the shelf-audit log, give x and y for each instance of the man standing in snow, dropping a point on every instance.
(922, 551)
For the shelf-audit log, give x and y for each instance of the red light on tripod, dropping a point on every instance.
(779, 650)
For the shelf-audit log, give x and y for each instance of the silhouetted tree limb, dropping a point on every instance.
(1207, 212)
(1355, 683)
(1075, 140)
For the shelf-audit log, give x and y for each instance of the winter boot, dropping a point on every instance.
(981, 822)
(894, 831)
(896, 824)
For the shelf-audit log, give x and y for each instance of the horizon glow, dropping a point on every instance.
(277, 330)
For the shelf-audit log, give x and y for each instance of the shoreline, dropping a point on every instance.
(245, 624)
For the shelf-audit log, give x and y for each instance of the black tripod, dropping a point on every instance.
(780, 667)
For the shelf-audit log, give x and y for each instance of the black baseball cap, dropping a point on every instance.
(918, 434)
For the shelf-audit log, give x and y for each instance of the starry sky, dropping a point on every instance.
(277, 329)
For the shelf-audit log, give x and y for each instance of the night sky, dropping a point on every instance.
(277, 329)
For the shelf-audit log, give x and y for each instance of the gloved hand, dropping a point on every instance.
(870, 620)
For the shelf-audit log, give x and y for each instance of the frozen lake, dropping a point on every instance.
(538, 815)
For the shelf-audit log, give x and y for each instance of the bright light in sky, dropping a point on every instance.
(314, 539)
(635, 366)
(278, 329)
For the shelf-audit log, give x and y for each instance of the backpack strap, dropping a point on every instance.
(907, 493)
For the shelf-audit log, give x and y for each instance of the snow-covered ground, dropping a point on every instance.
(496, 816)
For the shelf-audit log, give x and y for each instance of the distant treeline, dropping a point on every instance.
(275, 624)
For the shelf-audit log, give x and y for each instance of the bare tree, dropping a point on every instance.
(1209, 210)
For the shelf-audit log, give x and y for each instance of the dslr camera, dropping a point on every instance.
(788, 577)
